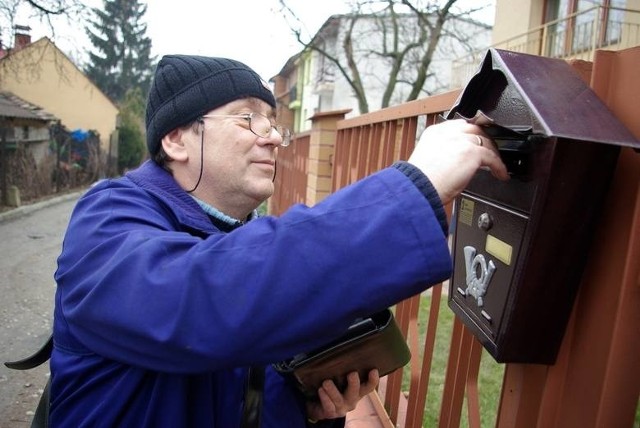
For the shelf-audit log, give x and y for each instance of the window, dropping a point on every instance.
(613, 20)
(581, 25)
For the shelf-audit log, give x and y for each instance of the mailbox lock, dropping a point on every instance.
(485, 222)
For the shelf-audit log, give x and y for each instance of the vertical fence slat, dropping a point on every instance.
(404, 313)
(473, 401)
(390, 143)
(418, 393)
(454, 381)
(374, 149)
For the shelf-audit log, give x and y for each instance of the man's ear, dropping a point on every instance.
(174, 144)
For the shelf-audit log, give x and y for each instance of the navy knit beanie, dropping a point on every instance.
(186, 87)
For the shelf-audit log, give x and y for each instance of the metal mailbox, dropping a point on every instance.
(520, 247)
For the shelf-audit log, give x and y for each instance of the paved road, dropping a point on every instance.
(30, 241)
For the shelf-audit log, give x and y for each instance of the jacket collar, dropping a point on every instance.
(162, 185)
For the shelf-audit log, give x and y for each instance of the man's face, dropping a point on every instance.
(239, 166)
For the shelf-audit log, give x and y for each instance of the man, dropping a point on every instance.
(173, 298)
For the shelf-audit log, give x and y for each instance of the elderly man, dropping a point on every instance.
(174, 298)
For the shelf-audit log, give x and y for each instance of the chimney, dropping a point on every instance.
(22, 37)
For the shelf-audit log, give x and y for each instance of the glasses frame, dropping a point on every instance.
(284, 133)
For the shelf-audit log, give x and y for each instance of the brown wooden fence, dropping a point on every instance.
(291, 175)
(596, 379)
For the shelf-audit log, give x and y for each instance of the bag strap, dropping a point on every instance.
(252, 411)
(41, 356)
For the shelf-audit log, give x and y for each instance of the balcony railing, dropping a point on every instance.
(576, 36)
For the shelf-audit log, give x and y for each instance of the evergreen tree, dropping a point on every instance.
(131, 142)
(121, 56)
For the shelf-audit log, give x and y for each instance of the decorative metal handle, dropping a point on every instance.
(477, 285)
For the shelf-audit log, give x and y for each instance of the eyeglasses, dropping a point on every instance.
(260, 125)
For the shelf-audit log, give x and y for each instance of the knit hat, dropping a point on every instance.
(186, 87)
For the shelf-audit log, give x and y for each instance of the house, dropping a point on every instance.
(310, 83)
(558, 29)
(42, 74)
(285, 86)
(24, 123)
(24, 128)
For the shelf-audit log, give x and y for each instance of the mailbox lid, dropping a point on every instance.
(541, 95)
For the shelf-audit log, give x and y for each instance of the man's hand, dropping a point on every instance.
(451, 152)
(333, 404)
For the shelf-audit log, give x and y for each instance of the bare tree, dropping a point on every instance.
(404, 35)
(51, 15)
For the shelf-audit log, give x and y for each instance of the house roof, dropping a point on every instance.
(63, 56)
(14, 107)
(288, 66)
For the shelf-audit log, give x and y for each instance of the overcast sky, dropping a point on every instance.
(252, 31)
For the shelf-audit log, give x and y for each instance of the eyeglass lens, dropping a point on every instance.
(261, 126)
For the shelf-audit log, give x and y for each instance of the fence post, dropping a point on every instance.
(4, 166)
(324, 127)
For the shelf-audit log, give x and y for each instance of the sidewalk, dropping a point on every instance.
(28, 209)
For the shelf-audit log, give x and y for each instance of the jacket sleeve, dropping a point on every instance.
(424, 185)
(134, 288)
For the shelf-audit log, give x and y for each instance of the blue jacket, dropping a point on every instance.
(158, 313)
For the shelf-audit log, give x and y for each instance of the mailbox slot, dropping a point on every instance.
(516, 149)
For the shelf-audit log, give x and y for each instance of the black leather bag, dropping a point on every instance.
(375, 342)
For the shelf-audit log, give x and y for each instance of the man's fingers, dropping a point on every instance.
(327, 402)
(491, 159)
(332, 391)
(352, 393)
(370, 384)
